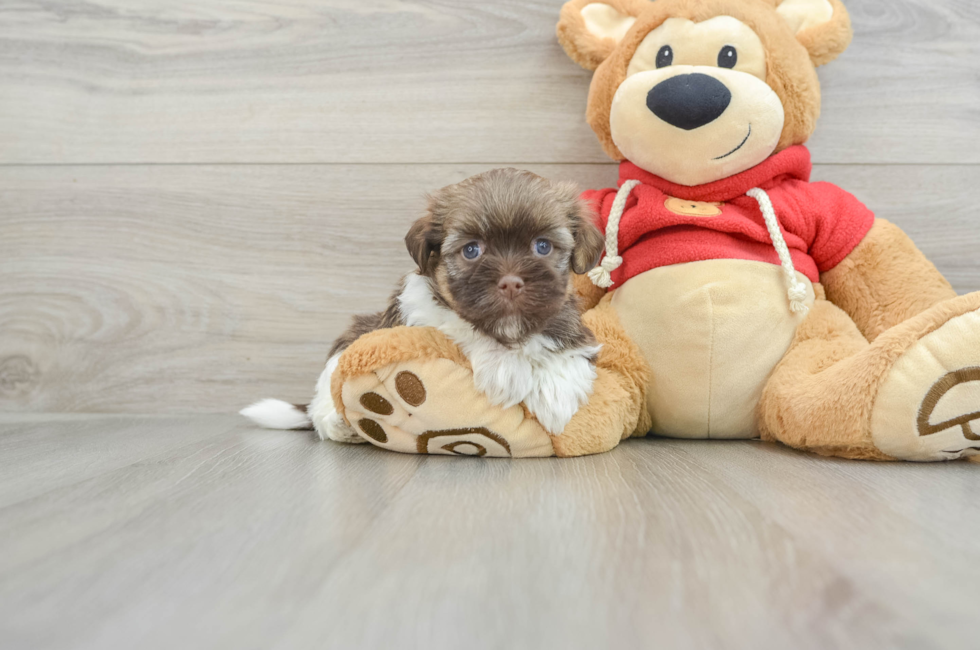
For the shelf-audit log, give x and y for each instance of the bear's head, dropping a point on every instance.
(695, 91)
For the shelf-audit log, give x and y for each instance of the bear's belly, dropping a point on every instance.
(712, 333)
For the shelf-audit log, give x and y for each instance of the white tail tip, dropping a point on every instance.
(277, 414)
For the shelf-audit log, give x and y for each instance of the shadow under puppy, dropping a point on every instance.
(494, 253)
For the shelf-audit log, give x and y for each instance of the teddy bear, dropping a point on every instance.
(736, 298)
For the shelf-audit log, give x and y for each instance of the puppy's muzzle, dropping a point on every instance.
(689, 101)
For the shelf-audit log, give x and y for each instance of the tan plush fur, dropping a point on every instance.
(588, 294)
(599, 425)
(828, 41)
(581, 46)
(384, 347)
(821, 395)
(621, 355)
(884, 281)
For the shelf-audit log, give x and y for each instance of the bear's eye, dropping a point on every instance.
(728, 57)
(665, 56)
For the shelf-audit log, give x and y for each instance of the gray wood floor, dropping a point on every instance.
(197, 531)
(184, 190)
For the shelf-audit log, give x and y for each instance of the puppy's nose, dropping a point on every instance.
(689, 101)
(511, 286)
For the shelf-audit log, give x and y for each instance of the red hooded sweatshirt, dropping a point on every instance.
(664, 223)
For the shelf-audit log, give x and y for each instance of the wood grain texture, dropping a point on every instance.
(149, 289)
(379, 81)
(258, 539)
(44, 453)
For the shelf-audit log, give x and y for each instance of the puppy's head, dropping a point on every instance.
(500, 246)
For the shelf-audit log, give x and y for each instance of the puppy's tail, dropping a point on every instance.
(277, 414)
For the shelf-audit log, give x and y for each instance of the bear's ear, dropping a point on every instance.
(589, 30)
(822, 26)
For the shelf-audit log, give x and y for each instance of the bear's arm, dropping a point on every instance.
(884, 280)
(588, 293)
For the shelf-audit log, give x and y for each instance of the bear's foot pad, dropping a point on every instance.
(431, 406)
(928, 407)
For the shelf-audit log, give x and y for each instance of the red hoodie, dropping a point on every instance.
(664, 223)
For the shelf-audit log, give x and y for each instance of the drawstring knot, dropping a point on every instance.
(601, 275)
(795, 289)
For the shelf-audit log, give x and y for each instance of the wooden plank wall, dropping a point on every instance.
(195, 196)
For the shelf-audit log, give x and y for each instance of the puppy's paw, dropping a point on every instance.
(327, 422)
(553, 415)
(561, 391)
(339, 431)
(432, 407)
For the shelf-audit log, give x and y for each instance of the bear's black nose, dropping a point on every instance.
(689, 101)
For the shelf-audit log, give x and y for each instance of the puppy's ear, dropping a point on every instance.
(424, 238)
(589, 242)
(423, 243)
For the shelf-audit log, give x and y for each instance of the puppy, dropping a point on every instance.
(494, 254)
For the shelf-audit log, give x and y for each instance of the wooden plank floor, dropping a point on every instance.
(199, 531)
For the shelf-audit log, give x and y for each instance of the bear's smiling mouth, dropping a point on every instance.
(747, 136)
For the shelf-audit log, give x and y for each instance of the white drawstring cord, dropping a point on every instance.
(795, 289)
(601, 275)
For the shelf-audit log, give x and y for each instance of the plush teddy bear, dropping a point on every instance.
(736, 299)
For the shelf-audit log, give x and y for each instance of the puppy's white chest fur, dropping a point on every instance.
(552, 383)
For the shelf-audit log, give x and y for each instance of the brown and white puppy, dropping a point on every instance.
(494, 254)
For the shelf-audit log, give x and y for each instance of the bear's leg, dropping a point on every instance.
(617, 407)
(912, 394)
(885, 281)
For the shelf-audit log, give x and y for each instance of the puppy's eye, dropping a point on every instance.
(543, 247)
(728, 57)
(472, 250)
(665, 56)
